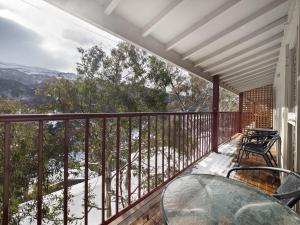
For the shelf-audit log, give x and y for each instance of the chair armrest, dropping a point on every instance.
(290, 194)
(257, 168)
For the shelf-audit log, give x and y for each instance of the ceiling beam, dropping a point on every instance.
(242, 40)
(253, 85)
(246, 50)
(250, 77)
(256, 55)
(251, 64)
(245, 79)
(221, 9)
(271, 69)
(252, 81)
(110, 7)
(257, 70)
(253, 68)
(256, 85)
(157, 19)
(234, 27)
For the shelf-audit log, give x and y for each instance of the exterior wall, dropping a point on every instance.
(258, 108)
(286, 92)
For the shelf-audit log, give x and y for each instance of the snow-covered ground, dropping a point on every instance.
(76, 203)
(218, 163)
(95, 183)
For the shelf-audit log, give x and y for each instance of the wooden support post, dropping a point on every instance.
(215, 108)
(240, 127)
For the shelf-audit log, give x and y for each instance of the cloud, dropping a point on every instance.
(39, 34)
(77, 37)
(24, 46)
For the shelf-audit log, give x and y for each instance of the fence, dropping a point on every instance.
(228, 125)
(92, 168)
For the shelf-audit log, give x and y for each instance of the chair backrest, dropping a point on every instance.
(270, 140)
(290, 183)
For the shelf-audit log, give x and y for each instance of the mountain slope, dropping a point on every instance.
(19, 82)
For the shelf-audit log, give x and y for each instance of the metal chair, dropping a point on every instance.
(289, 190)
(260, 145)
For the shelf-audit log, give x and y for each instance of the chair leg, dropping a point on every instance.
(266, 158)
(240, 158)
(272, 158)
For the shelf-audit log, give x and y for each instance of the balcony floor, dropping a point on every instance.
(219, 163)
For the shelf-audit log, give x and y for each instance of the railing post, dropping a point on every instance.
(240, 112)
(215, 108)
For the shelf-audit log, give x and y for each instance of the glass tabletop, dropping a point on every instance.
(215, 200)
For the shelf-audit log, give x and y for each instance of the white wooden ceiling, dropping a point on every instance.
(239, 40)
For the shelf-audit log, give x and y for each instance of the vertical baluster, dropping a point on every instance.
(197, 141)
(195, 149)
(179, 136)
(200, 134)
(187, 140)
(174, 147)
(66, 168)
(86, 172)
(40, 174)
(209, 130)
(6, 152)
(169, 144)
(117, 164)
(140, 157)
(191, 138)
(148, 157)
(163, 149)
(183, 147)
(129, 161)
(156, 149)
(103, 150)
(205, 123)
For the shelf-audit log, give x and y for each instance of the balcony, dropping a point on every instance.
(120, 160)
(109, 168)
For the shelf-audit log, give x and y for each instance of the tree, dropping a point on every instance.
(125, 80)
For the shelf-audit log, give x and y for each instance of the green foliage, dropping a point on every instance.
(228, 101)
(125, 80)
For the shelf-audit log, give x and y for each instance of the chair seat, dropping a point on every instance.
(255, 148)
(291, 183)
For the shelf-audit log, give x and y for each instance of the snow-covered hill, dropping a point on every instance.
(19, 81)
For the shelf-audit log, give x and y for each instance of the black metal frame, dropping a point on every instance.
(295, 195)
(270, 139)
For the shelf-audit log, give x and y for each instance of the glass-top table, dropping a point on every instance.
(261, 129)
(215, 200)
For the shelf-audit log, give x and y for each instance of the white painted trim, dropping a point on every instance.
(269, 76)
(248, 58)
(252, 64)
(176, 40)
(256, 85)
(110, 7)
(248, 37)
(256, 67)
(157, 19)
(255, 76)
(246, 79)
(233, 27)
(260, 71)
(246, 50)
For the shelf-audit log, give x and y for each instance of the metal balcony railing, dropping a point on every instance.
(123, 158)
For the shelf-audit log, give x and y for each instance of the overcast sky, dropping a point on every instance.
(34, 33)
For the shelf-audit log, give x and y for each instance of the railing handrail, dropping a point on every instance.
(66, 116)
